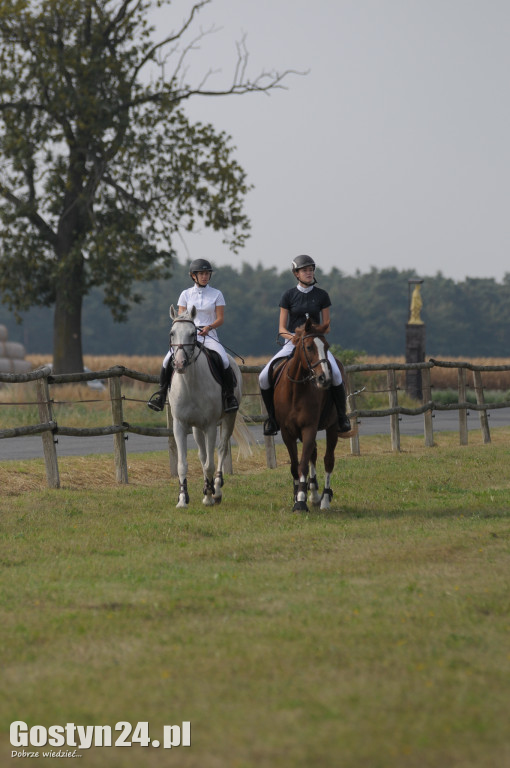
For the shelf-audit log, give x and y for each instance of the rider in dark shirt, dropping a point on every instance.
(296, 303)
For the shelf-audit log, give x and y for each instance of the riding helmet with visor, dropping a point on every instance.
(199, 265)
(302, 261)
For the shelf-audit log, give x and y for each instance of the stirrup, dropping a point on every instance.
(344, 425)
(270, 427)
(156, 401)
(231, 404)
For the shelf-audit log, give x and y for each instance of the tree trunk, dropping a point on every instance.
(70, 281)
(67, 346)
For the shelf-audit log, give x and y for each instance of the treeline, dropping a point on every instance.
(369, 313)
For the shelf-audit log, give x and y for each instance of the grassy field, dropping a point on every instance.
(376, 635)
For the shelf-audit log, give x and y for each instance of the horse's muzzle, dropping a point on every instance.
(181, 359)
(180, 363)
(323, 381)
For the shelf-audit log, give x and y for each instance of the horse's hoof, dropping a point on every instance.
(300, 506)
(208, 501)
(314, 498)
(313, 495)
(326, 497)
(181, 504)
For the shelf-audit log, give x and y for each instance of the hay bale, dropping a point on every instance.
(12, 355)
(14, 350)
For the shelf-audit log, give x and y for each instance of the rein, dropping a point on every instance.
(312, 374)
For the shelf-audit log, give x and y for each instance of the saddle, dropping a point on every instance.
(276, 370)
(215, 365)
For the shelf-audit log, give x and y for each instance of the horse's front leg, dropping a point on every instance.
(206, 443)
(300, 504)
(181, 441)
(291, 445)
(329, 465)
(313, 483)
(309, 451)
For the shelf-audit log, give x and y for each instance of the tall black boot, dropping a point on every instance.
(340, 401)
(230, 401)
(158, 399)
(270, 425)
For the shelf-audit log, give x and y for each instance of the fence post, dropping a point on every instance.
(351, 399)
(394, 418)
(119, 442)
(172, 445)
(268, 442)
(463, 430)
(45, 415)
(270, 452)
(480, 399)
(427, 416)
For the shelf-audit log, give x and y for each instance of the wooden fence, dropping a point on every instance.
(49, 429)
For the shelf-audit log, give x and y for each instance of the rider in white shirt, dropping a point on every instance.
(210, 314)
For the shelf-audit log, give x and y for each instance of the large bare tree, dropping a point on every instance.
(99, 165)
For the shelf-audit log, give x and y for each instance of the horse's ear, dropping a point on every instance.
(173, 313)
(308, 324)
(193, 312)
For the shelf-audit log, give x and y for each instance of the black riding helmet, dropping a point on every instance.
(302, 261)
(199, 265)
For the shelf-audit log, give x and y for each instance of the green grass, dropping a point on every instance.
(376, 634)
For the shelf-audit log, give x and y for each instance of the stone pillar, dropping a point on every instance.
(415, 353)
(415, 342)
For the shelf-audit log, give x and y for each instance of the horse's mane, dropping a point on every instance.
(310, 327)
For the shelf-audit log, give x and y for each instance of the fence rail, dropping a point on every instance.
(48, 428)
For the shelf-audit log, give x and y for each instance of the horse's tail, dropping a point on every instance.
(242, 436)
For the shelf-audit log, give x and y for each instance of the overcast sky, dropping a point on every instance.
(393, 151)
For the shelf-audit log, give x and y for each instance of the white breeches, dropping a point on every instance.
(210, 343)
(285, 351)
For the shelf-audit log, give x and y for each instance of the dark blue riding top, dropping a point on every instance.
(299, 304)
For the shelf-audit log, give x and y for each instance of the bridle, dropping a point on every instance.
(188, 348)
(311, 366)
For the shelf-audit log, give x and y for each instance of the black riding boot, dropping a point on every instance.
(340, 401)
(230, 402)
(270, 425)
(158, 399)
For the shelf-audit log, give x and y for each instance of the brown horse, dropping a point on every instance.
(303, 406)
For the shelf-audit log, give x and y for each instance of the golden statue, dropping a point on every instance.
(416, 305)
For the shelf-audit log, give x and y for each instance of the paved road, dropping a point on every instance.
(31, 447)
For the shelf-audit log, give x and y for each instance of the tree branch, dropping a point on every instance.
(149, 56)
(44, 228)
(145, 206)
